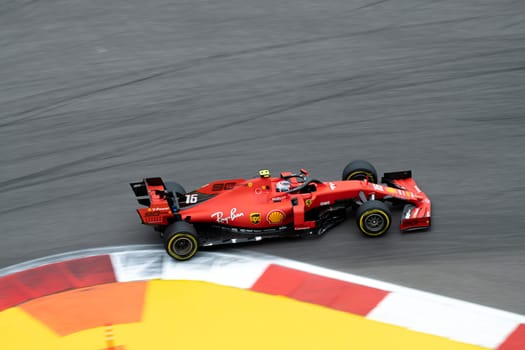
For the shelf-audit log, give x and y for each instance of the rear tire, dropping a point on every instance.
(373, 218)
(360, 170)
(181, 240)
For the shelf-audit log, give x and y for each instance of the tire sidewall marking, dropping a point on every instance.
(371, 177)
(188, 236)
(383, 214)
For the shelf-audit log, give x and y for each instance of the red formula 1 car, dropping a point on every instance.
(243, 210)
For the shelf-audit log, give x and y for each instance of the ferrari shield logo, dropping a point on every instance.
(308, 202)
(255, 218)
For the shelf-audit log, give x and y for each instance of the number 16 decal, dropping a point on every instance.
(192, 198)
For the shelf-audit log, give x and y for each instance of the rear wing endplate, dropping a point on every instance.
(141, 189)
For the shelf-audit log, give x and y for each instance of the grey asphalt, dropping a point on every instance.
(96, 94)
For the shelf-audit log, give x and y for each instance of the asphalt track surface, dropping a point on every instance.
(96, 94)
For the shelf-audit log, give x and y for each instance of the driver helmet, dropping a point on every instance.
(283, 186)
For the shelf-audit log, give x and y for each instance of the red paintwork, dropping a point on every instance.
(243, 199)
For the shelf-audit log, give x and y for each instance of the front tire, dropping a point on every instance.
(360, 170)
(373, 218)
(180, 240)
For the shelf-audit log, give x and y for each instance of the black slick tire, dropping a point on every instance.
(373, 218)
(360, 170)
(181, 240)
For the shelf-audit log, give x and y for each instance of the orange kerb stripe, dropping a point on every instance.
(90, 307)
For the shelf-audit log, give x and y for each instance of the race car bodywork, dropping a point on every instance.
(243, 210)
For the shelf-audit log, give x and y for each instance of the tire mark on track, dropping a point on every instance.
(60, 172)
(29, 180)
(352, 91)
(372, 4)
(39, 177)
(178, 67)
(170, 69)
(61, 102)
(11, 6)
(50, 174)
(49, 200)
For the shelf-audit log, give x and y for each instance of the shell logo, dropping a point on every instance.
(275, 216)
(391, 190)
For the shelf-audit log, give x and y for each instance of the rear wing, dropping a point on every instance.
(152, 193)
(416, 214)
